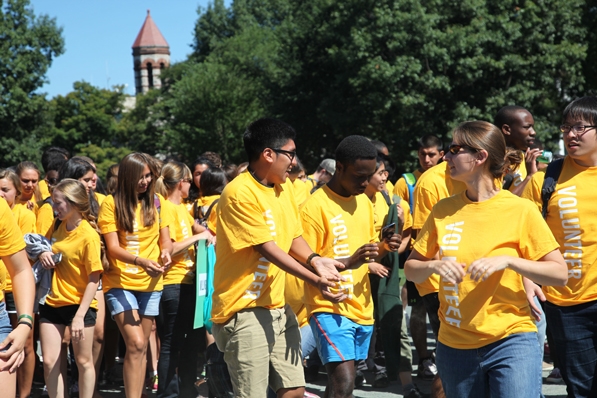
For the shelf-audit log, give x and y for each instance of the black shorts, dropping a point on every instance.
(412, 293)
(64, 315)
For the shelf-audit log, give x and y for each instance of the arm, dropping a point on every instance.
(323, 266)
(530, 160)
(419, 268)
(118, 253)
(19, 269)
(166, 247)
(277, 256)
(179, 247)
(78, 325)
(405, 240)
(549, 270)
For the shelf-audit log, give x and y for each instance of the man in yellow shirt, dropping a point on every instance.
(338, 221)
(322, 175)
(571, 310)
(260, 237)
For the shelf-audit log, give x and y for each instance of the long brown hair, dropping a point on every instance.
(126, 198)
(483, 135)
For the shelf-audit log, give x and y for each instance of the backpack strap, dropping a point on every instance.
(386, 196)
(411, 180)
(208, 212)
(549, 183)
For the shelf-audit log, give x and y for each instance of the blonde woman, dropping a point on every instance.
(70, 303)
(138, 245)
(179, 341)
(487, 240)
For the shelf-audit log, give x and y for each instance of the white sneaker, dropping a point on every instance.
(427, 369)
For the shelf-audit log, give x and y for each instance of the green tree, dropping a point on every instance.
(28, 45)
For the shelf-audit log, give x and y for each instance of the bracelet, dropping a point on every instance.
(311, 257)
(25, 316)
(135, 260)
(25, 323)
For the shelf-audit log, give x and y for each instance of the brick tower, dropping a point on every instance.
(151, 54)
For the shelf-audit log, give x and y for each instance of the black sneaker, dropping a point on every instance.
(359, 380)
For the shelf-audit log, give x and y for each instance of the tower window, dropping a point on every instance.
(150, 75)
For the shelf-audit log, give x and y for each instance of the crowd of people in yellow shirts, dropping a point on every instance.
(308, 268)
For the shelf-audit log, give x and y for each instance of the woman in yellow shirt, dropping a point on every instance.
(180, 343)
(481, 243)
(138, 247)
(70, 302)
(10, 189)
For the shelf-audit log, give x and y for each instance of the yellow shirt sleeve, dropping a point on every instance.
(80, 250)
(336, 227)
(11, 238)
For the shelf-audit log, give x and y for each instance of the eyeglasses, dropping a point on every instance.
(455, 148)
(578, 129)
(291, 154)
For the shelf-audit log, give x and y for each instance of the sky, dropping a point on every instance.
(98, 36)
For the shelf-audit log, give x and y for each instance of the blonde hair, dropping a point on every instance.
(8, 174)
(172, 173)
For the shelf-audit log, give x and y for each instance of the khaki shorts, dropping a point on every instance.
(256, 340)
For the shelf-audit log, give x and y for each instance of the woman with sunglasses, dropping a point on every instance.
(481, 243)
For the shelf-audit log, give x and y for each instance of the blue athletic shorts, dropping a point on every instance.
(338, 338)
(120, 300)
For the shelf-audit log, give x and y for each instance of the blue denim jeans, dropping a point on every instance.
(508, 368)
(574, 330)
(180, 343)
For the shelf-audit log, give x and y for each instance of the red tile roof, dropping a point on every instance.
(149, 35)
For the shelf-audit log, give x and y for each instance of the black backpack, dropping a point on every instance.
(549, 183)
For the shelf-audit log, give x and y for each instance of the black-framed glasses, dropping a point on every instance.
(577, 129)
(291, 154)
(455, 148)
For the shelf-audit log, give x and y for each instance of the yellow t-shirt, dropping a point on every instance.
(381, 209)
(99, 197)
(204, 202)
(389, 186)
(183, 267)
(294, 294)
(335, 226)
(475, 314)
(302, 191)
(11, 239)
(573, 220)
(45, 219)
(80, 250)
(433, 185)
(142, 242)
(251, 214)
(26, 221)
(43, 189)
(401, 188)
(519, 174)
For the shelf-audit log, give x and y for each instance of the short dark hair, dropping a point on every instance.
(213, 181)
(266, 133)
(52, 153)
(55, 164)
(388, 163)
(75, 168)
(353, 148)
(506, 115)
(582, 108)
(430, 141)
(380, 146)
(215, 159)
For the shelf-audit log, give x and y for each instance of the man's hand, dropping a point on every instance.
(366, 253)
(392, 242)
(324, 287)
(327, 268)
(533, 290)
(530, 160)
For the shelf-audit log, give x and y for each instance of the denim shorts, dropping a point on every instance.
(5, 326)
(120, 300)
(339, 339)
